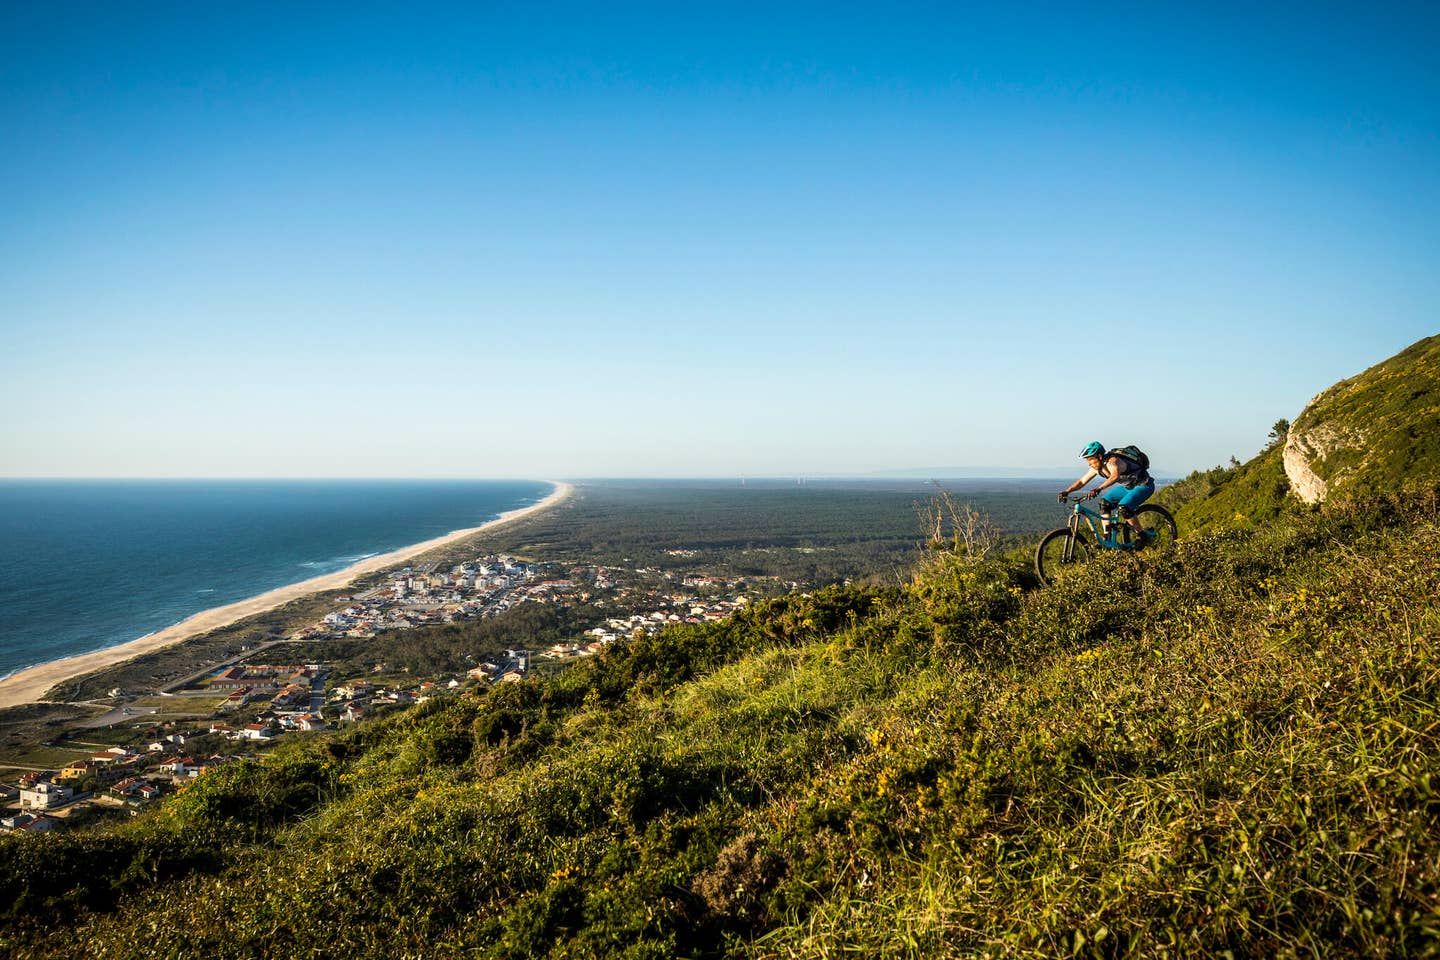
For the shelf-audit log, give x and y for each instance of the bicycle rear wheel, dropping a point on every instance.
(1157, 522)
(1060, 550)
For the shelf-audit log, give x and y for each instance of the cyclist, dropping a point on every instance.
(1116, 470)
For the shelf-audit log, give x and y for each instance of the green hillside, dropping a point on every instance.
(1374, 433)
(1375, 430)
(1226, 746)
(1255, 492)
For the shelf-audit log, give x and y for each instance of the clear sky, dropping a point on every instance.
(500, 240)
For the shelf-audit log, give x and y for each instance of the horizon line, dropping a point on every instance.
(976, 473)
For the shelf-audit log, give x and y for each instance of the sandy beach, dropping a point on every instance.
(27, 686)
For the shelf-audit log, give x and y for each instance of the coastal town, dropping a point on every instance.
(149, 743)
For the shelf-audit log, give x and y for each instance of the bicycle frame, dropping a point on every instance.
(1118, 527)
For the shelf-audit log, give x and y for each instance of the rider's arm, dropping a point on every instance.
(1111, 479)
(1081, 482)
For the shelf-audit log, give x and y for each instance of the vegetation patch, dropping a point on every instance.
(1226, 747)
(1384, 420)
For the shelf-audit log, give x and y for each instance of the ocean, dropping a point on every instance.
(88, 564)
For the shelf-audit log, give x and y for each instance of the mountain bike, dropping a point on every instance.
(1072, 544)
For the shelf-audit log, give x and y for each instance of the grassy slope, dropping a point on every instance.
(1229, 746)
(1395, 406)
(1393, 409)
(1255, 492)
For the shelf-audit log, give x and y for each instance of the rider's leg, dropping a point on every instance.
(1131, 499)
(1110, 506)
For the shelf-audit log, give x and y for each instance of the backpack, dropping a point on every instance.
(1134, 454)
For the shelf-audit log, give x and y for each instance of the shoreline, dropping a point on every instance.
(29, 685)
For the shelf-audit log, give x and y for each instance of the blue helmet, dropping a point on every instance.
(1093, 449)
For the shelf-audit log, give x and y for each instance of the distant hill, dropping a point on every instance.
(978, 473)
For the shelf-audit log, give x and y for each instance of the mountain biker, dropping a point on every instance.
(1116, 471)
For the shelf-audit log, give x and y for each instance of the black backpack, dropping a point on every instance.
(1134, 454)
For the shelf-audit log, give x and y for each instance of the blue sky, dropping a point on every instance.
(629, 240)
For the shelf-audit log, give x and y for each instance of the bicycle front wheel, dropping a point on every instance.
(1059, 550)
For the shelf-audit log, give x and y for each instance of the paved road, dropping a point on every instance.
(119, 715)
(317, 693)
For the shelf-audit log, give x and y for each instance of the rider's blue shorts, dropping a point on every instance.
(1118, 496)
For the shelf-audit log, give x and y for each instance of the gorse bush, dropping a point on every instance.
(1225, 748)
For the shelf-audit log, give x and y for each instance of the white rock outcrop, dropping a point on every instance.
(1305, 483)
(1307, 445)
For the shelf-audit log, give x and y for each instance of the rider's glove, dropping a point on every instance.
(1062, 496)
(1091, 495)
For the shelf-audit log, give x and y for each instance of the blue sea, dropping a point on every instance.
(89, 564)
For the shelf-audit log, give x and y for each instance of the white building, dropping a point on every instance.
(258, 731)
(26, 821)
(42, 795)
